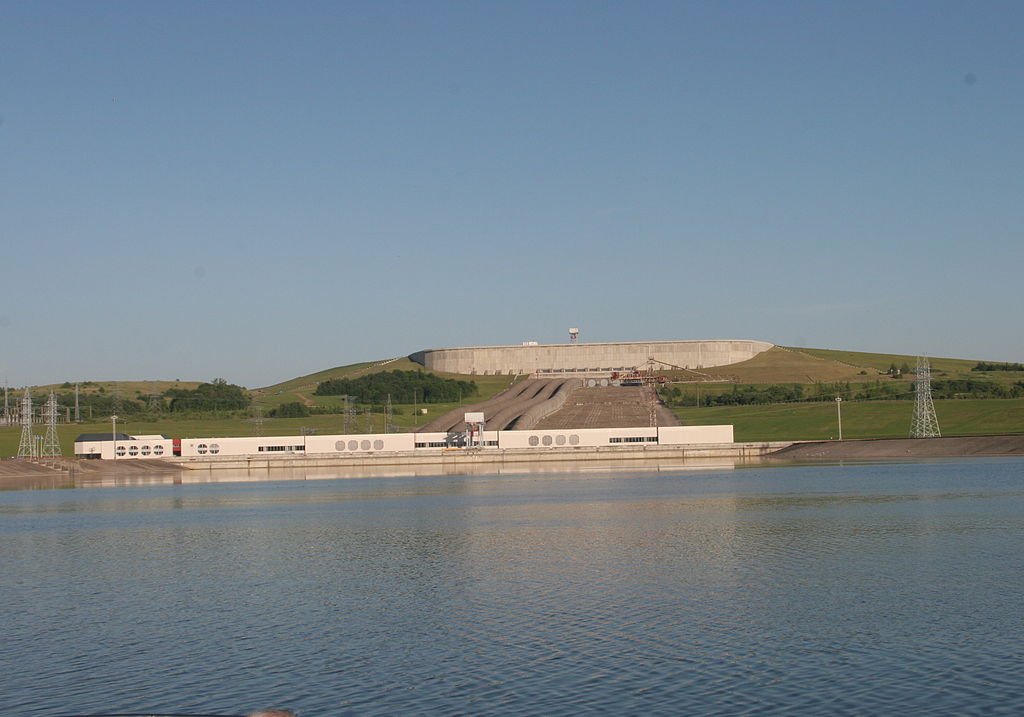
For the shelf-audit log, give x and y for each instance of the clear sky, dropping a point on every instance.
(258, 190)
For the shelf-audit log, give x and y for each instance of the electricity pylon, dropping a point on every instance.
(25, 446)
(256, 418)
(51, 445)
(924, 424)
(350, 415)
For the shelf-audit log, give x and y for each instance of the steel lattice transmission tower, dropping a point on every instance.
(924, 423)
(51, 445)
(256, 418)
(350, 415)
(26, 445)
(156, 400)
(388, 415)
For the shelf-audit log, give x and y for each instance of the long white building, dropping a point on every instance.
(126, 447)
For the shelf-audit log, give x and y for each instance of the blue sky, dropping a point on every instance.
(256, 191)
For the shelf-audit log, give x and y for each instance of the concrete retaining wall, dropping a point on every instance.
(495, 456)
(489, 360)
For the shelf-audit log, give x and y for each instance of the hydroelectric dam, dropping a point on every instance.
(534, 358)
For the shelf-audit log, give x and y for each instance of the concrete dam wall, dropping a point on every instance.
(488, 360)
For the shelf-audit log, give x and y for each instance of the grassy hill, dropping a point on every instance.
(780, 365)
(128, 389)
(301, 389)
(881, 362)
(861, 419)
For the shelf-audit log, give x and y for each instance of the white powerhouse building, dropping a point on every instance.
(124, 446)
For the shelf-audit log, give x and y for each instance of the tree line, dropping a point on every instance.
(988, 366)
(216, 396)
(219, 395)
(401, 386)
(754, 394)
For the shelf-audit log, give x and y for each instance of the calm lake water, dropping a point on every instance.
(857, 589)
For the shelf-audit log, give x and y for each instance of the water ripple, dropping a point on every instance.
(846, 591)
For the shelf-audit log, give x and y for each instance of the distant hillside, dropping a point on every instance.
(780, 365)
(881, 362)
(301, 389)
(129, 389)
(777, 365)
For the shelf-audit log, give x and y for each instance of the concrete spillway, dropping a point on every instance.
(519, 406)
(558, 404)
(610, 407)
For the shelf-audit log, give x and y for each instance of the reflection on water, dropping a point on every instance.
(124, 479)
(826, 590)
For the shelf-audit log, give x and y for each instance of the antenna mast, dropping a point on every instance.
(924, 424)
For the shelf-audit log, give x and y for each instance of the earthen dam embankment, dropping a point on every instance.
(908, 448)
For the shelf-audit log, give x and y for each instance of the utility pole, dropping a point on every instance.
(78, 414)
(839, 414)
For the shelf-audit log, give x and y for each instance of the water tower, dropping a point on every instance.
(574, 336)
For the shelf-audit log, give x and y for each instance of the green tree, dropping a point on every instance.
(294, 409)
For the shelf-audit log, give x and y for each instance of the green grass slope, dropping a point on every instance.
(882, 362)
(861, 419)
(302, 388)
